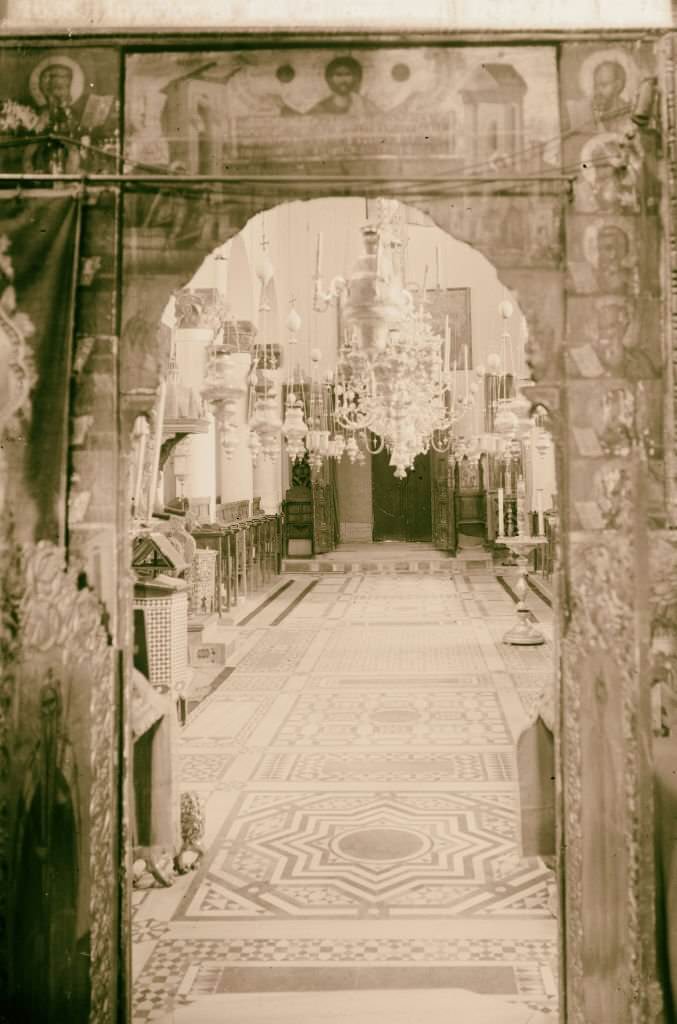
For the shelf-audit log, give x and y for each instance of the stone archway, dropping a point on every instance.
(549, 394)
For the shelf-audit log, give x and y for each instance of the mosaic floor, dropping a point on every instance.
(358, 771)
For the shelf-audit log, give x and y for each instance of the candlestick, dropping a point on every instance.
(539, 507)
(500, 512)
(523, 632)
(510, 523)
(318, 255)
(522, 524)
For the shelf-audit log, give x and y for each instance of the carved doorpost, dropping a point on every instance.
(605, 771)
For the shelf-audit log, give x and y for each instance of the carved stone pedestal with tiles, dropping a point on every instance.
(162, 650)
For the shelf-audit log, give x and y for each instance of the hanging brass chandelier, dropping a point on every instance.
(393, 379)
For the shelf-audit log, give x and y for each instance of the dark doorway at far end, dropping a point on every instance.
(402, 508)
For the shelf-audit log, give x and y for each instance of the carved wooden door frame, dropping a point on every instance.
(585, 623)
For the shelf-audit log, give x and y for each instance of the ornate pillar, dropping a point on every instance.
(267, 473)
(236, 482)
(610, 440)
(200, 481)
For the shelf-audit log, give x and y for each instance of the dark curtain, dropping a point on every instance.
(39, 251)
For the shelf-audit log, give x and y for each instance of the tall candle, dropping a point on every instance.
(465, 366)
(539, 508)
(453, 388)
(525, 341)
(500, 512)
(318, 256)
(437, 266)
(447, 343)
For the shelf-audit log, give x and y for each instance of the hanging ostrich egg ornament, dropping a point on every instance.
(293, 322)
(265, 270)
(505, 308)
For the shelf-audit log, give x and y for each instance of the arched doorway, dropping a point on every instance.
(246, 306)
(489, 220)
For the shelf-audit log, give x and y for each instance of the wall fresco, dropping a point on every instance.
(540, 296)
(614, 336)
(472, 111)
(519, 231)
(603, 255)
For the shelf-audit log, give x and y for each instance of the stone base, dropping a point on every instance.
(524, 634)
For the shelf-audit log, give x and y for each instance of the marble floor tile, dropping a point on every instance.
(420, 717)
(357, 767)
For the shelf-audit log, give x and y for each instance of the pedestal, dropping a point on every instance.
(523, 632)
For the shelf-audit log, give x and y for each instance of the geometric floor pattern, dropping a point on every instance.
(426, 718)
(386, 766)
(363, 854)
(358, 770)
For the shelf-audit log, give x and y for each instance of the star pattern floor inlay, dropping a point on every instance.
(359, 777)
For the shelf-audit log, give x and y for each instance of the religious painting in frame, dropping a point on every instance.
(72, 93)
(599, 83)
(452, 304)
(415, 110)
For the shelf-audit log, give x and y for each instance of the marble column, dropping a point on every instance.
(268, 473)
(236, 480)
(191, 358)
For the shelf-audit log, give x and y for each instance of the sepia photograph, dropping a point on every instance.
(338, 512)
